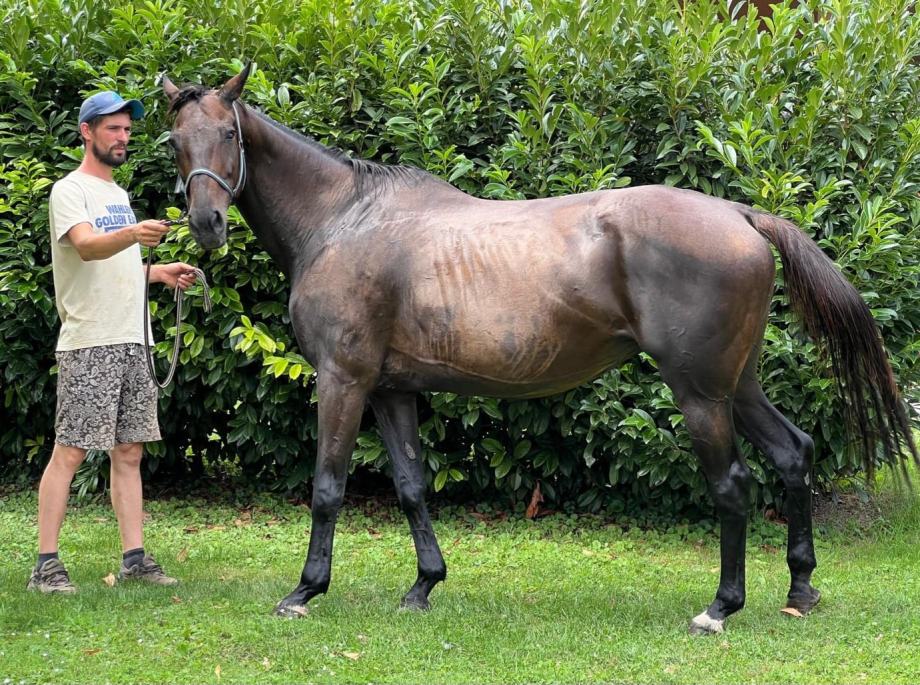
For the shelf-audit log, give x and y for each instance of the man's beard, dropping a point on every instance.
(112, 157)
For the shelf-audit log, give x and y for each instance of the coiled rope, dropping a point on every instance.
(179, 296)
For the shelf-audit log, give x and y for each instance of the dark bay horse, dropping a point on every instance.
(401, 283)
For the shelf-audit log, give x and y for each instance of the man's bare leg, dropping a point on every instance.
(53, 493)
(127, 493)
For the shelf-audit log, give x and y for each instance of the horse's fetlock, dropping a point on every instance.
(435, 574)
(317, 586)
(731, 600)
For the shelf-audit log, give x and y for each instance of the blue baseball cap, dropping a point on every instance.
(109, 102)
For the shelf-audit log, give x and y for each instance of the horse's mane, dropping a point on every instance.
(368, 175)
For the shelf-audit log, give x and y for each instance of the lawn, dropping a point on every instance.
(560, 599)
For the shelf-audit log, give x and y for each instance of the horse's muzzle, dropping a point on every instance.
(208, 228)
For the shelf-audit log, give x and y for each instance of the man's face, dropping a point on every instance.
(107, 141)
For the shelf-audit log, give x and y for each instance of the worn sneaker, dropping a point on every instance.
(51, 577)
(146, 570)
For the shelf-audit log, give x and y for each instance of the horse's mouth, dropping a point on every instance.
(210, 230)
(211, 242)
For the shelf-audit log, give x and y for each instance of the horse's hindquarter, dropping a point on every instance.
(511, 299)
(700, 280)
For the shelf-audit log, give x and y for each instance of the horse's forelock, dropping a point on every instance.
(188, 93)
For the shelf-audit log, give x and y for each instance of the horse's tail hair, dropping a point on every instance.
(835, 314)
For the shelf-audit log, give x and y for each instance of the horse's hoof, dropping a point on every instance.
(804, 602)
(704, 624)
(290, 610)
(414, 604)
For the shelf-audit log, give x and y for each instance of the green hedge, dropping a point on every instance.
(811, 114)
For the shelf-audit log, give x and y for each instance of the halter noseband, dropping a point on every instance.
(181, 184)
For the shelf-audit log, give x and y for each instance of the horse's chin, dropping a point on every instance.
(210, 241)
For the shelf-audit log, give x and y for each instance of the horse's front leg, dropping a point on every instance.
(397, 418)
(341, 403)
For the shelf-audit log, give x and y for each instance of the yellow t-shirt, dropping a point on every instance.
(100, 302)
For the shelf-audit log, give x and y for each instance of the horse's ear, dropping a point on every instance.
(170, 89)
(233, 88)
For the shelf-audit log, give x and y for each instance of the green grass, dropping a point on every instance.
(562, 599)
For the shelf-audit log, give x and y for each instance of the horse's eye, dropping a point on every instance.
(229, 134)
(173, 142)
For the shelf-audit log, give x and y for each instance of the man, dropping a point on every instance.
(106, 400)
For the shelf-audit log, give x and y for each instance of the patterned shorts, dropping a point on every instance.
(105, 397)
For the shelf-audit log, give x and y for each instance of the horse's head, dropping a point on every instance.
(207, 139)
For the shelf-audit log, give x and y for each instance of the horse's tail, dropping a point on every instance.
(835, 314)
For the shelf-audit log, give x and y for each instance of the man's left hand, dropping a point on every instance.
(177, 274)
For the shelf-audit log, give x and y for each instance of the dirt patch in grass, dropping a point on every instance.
(845, 510)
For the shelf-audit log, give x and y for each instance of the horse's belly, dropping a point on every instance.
(533, 307)
(504, 361)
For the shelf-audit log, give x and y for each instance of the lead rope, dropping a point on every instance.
(178, 296)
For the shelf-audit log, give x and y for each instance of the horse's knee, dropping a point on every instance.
(411, 494)
(731, 490)
(327, 499)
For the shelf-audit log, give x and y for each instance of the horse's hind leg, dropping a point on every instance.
(791, 451)
(397, 418)
(704, 393)
(709, 421)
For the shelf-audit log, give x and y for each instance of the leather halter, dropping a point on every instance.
(181, 184)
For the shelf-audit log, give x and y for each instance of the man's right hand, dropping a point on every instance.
(149, 233)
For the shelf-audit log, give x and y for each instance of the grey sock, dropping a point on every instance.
(42, 558)
(132, 557)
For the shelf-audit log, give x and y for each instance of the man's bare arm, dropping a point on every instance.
(91, 246)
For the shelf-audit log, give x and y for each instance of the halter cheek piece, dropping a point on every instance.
(181, 184)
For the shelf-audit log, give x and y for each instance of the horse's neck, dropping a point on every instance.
(293, 191)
